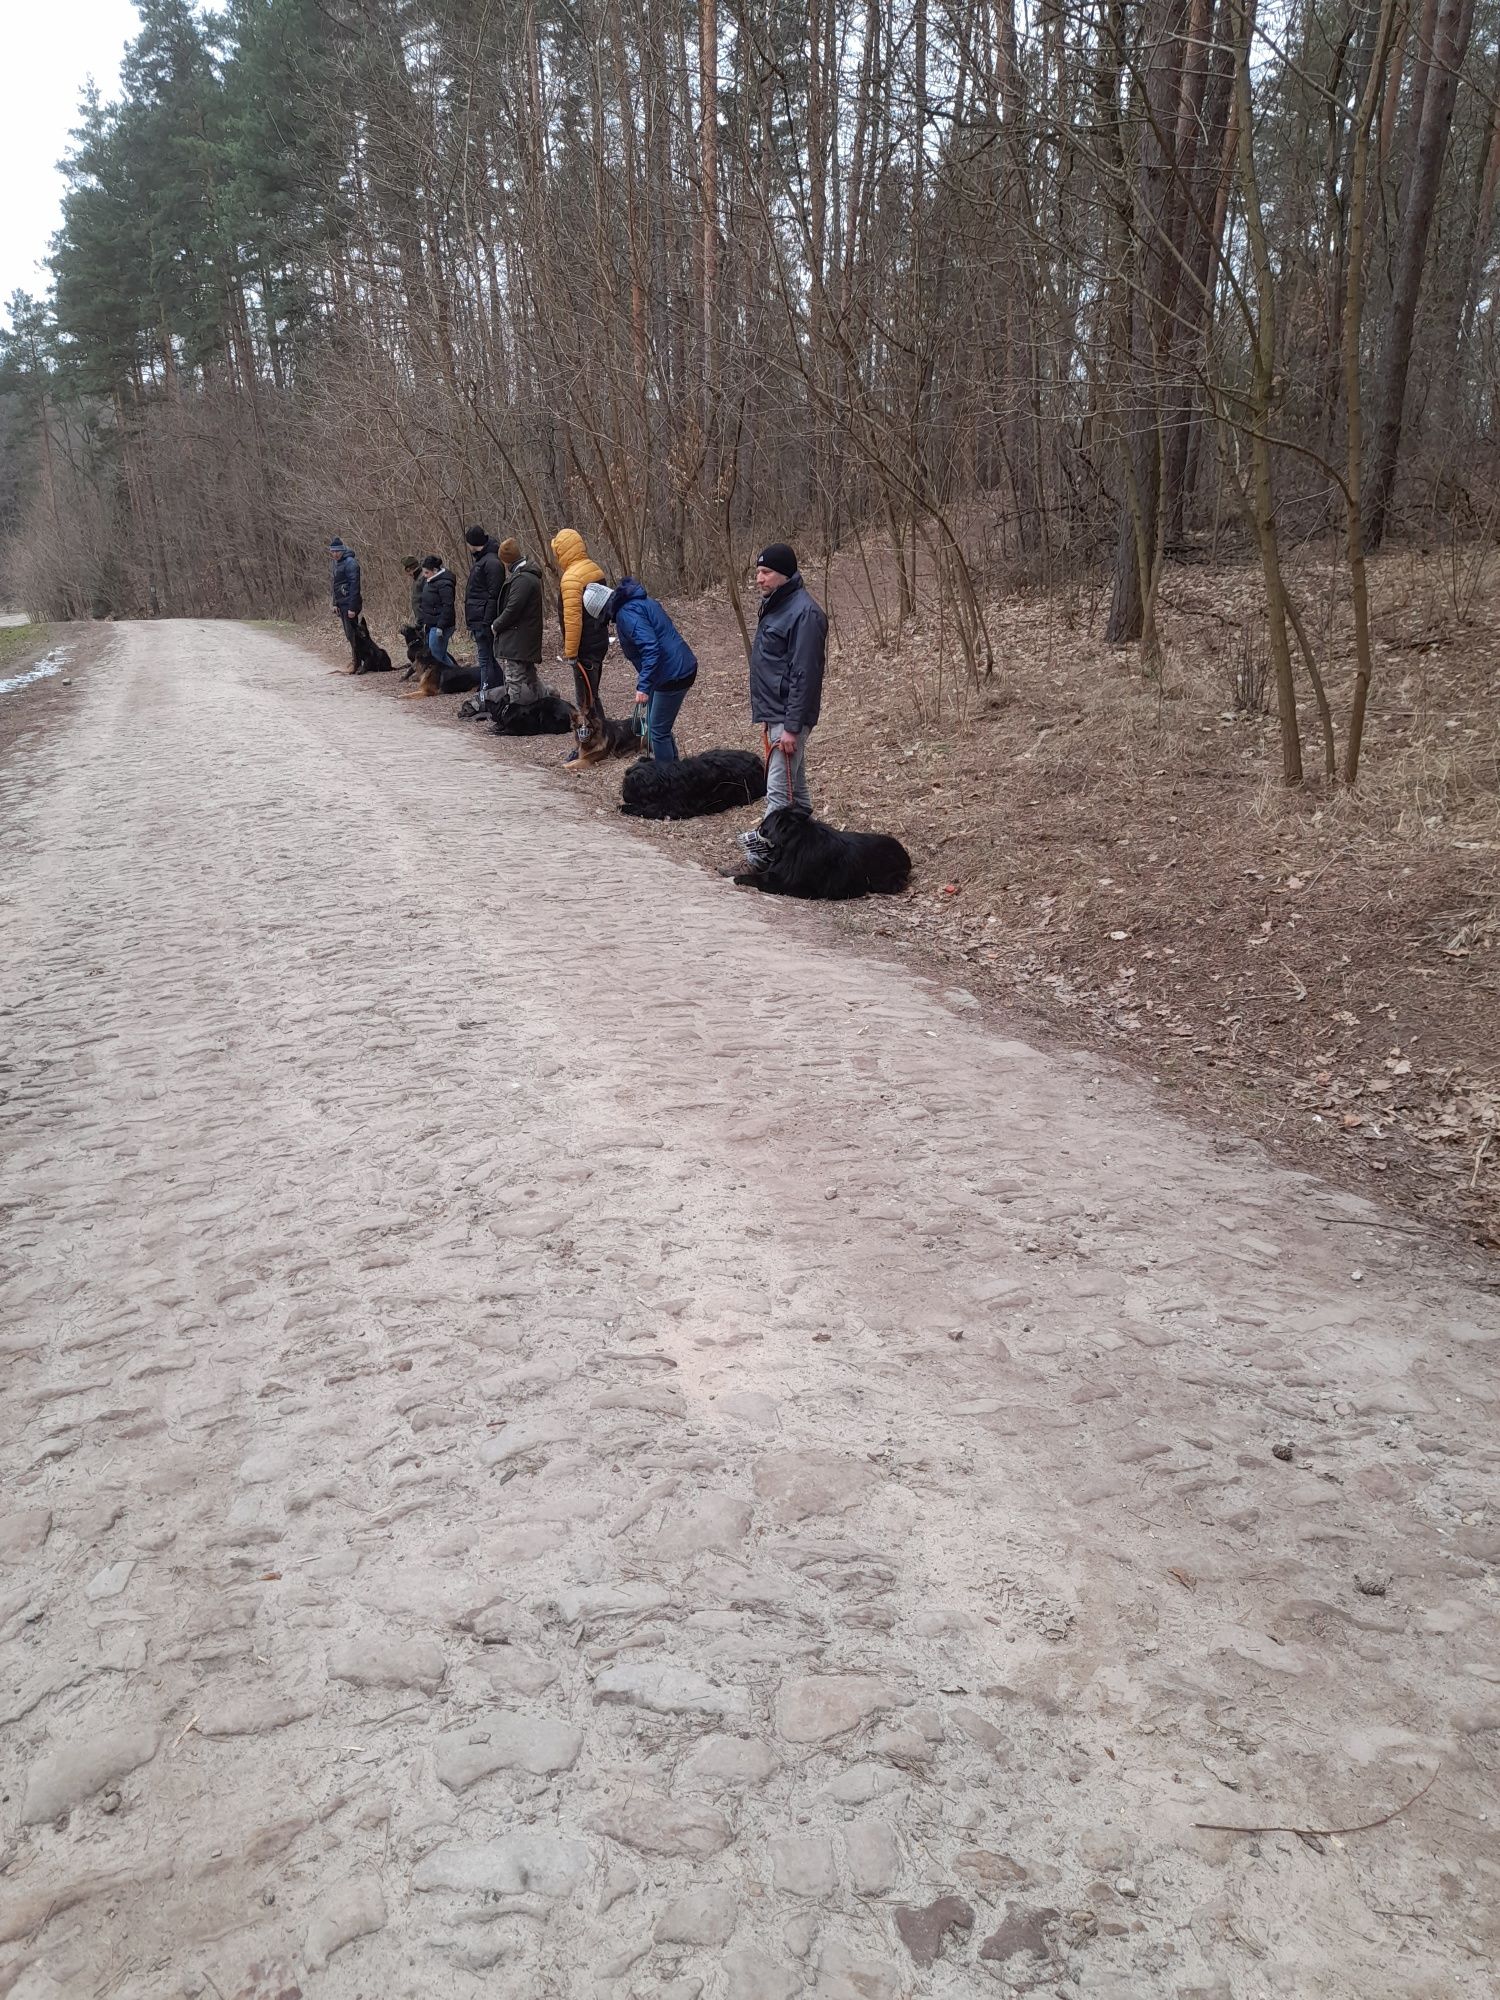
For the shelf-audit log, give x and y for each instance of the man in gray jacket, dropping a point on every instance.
(786, 673)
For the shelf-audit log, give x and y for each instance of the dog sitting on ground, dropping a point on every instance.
(431, 678)
(792, 854)
(715, 781)
(548, 715)
(368, 657)
(602, 736)
(418, 654)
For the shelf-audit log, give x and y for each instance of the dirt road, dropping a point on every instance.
(563, 1436)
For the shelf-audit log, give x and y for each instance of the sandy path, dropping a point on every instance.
(562, 1436)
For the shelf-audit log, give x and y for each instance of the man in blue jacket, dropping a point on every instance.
(665, 665)
(786, 673)
(346, 598)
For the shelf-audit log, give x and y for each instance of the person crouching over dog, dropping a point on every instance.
(786, 674)
(665, 665)
(436, 602)
(517, 630)
(585, 639)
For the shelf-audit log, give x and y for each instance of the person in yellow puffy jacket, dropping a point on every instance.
(585, 639)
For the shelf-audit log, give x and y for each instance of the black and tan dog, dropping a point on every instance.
(792, 854)
(368, 657)
(714, 781)
(431, 678)
(602, 736)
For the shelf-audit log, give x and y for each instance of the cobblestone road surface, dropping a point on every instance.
(562, 1435)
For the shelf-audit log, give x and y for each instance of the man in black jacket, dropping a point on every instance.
(786, 673)
(482, 594)
(517, 629)
(347, 601)
(413, 568)
(438, 591)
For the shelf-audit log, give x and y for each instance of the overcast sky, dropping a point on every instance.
(52, 48)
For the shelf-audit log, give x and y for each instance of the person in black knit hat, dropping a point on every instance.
(786, 673)
(346, 594)
(482, 595)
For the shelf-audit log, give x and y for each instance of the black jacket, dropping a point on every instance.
(437, 601)
(786, 659)
(345, 581)
(518, 624)
(483, 589)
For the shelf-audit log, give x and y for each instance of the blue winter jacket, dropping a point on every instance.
(346, 584)
(648, 639)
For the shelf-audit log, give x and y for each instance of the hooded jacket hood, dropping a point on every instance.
(569, 547)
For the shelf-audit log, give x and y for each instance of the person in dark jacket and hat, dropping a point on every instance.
(665, 665)
(413, 567)
(437, 619)
(786, 673)
(482, 594)
(517, 629)
(347, 601)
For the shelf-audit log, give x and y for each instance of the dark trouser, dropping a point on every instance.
(437, 645)
(484, 658)
(661, 713)
(346, 620)
(586, 678)
(521, 683)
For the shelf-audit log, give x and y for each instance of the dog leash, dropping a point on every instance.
(770, 748)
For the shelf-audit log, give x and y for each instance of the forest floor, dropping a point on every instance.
(1114, 861)
(575, 1433)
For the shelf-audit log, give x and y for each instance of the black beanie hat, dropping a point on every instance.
(780, 556)
(477, 537)
(336, 544)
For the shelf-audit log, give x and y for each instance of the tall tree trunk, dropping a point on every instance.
(1455, 19)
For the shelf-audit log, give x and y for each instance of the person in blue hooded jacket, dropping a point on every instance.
(665, 665)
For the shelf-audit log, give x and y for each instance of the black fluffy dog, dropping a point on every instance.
(713, 782)
(790, 854)
(368, 657)
(549, 715)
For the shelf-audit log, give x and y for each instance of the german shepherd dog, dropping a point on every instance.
(792, 854)
(548, 715)
(715, 781)
(431, 678)
(368, 657)
(602, 736)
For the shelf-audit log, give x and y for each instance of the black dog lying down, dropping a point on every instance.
(368, 657)
(791, 854)
(715, 781)
(548, 715)
(431, 678)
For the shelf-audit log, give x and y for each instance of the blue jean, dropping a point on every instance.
(661, 713)
(437, 645)
(484, 658)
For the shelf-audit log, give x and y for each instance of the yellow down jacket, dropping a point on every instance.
(578, 571)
